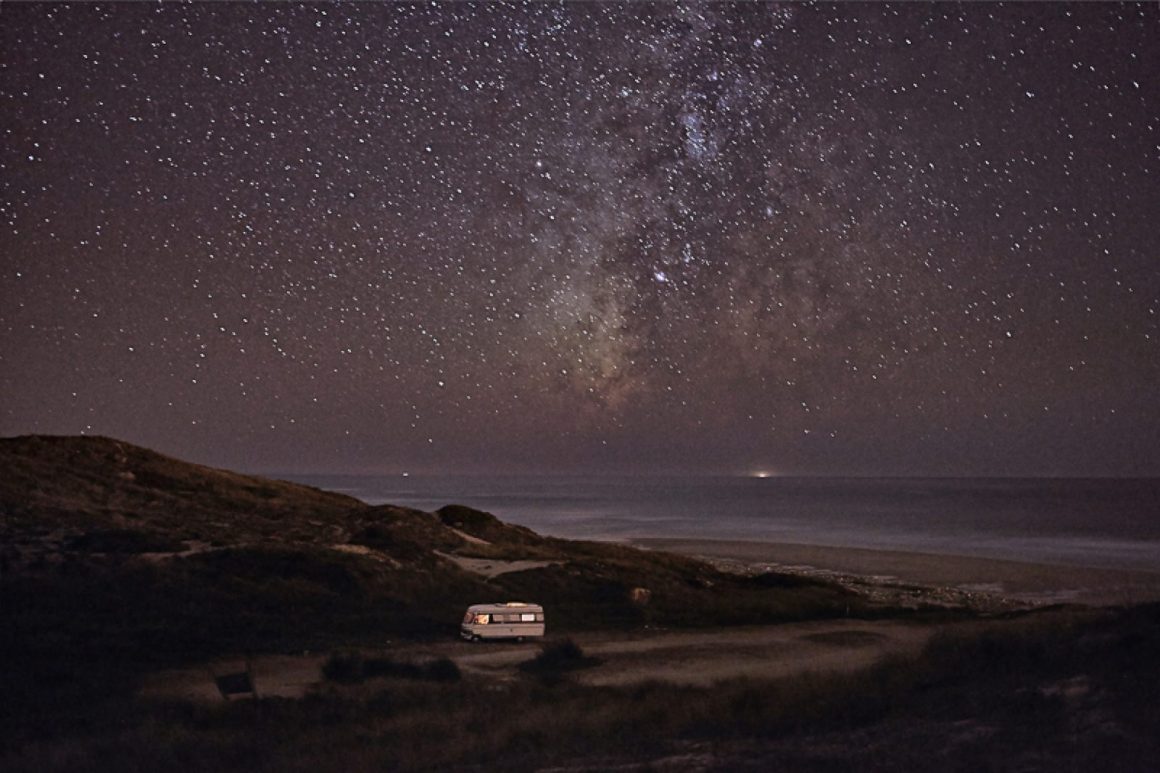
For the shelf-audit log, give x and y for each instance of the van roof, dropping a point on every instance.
(505, 605)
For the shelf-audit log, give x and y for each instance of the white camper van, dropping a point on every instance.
(513, 620)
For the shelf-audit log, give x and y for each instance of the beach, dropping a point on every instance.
(967, 579)
(1108, 523)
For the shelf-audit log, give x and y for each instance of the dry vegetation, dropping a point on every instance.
(117, 561)
(1057, 691)
(217, 562)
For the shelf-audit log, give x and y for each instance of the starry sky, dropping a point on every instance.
(851, 239)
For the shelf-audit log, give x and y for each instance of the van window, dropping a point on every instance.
(527, 617)
(483, 619)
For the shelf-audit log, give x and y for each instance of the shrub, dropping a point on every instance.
(344, 668)
(443, 670)
(558, 657)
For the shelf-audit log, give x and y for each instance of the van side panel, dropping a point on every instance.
(502, 621)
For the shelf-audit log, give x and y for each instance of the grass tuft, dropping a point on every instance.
(557, 658)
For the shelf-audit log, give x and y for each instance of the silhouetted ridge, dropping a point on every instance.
(102, 480)
(108, 546)
(485, 526)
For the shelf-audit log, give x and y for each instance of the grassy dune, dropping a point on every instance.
(177, 560)
(116, 561)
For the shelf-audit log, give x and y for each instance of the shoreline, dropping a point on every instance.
(948, 578)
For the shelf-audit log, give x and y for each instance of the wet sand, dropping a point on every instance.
(1026, 582)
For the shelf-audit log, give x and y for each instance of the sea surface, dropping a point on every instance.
(1110, 523)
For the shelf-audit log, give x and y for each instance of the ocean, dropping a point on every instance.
(1109, 523)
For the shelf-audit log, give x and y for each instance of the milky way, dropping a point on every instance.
(837, 239)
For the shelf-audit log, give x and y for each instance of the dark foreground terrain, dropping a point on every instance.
(117, 564)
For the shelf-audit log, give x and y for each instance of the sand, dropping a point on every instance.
(1025, 582)
(705, 657)
(698, 658)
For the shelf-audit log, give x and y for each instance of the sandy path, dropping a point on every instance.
(765, 653)
(704, 657)
(687, 657)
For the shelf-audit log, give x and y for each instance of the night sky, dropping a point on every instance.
(709, 239)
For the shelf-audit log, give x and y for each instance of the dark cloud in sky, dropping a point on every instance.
(837, 239)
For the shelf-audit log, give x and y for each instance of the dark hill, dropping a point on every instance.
(111, 549)
(88, 482)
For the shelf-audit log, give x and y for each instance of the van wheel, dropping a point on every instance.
(474, 638)
(519, 640)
